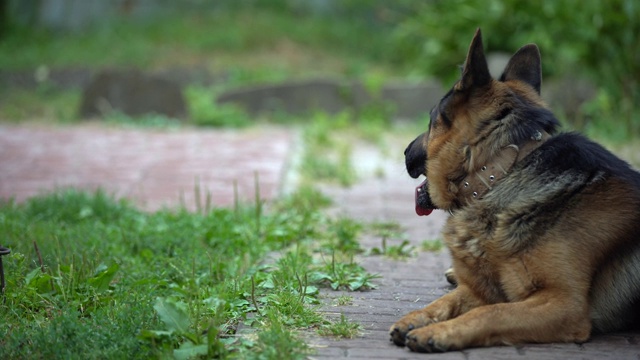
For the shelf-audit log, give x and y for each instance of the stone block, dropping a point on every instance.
(133, 93)
(295, 97)
(568, 94)
(332, 96)
(411, 101)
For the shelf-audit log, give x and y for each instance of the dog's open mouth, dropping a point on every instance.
(424, 206)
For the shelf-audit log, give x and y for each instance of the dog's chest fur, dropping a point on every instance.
(484, 261)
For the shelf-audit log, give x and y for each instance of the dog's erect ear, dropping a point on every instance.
(475, 72)
(525, 66)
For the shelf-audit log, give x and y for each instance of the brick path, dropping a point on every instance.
(158, 168)
(154, 168)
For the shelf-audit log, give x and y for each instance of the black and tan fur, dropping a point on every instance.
(550, 251)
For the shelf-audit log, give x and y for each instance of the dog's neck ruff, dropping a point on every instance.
(480, 182)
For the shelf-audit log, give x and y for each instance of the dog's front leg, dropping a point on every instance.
(542, 318)
(457, 302)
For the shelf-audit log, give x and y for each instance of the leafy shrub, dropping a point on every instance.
(595, 38)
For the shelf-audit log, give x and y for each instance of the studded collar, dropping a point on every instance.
(480, 182)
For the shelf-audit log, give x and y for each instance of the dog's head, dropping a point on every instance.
(473, 121)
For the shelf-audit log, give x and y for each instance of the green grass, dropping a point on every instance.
(327, 154)
(44, 104)
(432, 245)
(204, 111)
(278, 44)
(92, 277)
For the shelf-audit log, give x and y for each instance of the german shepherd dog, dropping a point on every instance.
(544, 230)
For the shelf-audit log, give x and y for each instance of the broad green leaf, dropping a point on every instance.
(101, 280)
(154, 334)
(356, 285)
(189, 351)
(311, 290)
(268, 283)
(39, 281)
(32, 275)
(173, 314)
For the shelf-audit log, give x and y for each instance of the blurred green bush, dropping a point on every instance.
(599, 39)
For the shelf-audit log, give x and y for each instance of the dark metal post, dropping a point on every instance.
(3, 251)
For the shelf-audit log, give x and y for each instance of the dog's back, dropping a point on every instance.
(591, 194)
(615, 290)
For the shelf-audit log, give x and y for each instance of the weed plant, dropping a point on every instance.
(391, 232)
(204, 111)
(327, 155)
(93, 277)
(435, 245)
(342, 328)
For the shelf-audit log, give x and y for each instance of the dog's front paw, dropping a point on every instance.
(399, 331)
(413, 320)
(427, 339)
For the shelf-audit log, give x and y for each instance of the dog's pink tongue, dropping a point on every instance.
(421, 211)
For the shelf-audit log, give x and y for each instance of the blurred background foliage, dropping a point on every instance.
(267, 40)
(596, 39)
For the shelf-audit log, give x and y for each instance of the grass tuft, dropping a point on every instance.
(432, 245)
(342, 328)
